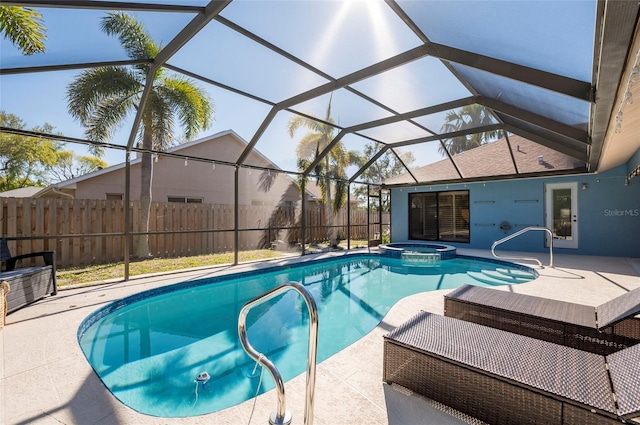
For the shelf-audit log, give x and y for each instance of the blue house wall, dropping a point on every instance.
(608, 213)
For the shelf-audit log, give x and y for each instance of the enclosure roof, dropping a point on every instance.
(427, 81)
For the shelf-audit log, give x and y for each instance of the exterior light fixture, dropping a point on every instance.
(584, 186)
(628, 98)
(635, 72)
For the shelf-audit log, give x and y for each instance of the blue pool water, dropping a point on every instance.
(149, 348)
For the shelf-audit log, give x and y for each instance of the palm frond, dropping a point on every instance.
(133, 36)
(323, 185)
(85, 93)
(159, 116)
(307, 147)
(189, 102)
(449, 128)
(301, 179)
(327, 116)
(339, 156)
(340, 197)
(467, 117)
(23, 27)
(297, 121)
(106, 118)
(356, 159)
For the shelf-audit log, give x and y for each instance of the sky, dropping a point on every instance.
(335, 37)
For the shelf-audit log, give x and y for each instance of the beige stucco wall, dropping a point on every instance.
(171, 178)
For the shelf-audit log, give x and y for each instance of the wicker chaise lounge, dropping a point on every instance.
(503, 378)
(604, 329)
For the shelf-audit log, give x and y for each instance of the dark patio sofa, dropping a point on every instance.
(504, 378)
(27, 284)
(604, 329)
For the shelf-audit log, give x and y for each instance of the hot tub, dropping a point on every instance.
(417, 251)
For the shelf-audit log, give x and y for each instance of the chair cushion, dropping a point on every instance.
(21, 272)
(560, 311)
(618, 309)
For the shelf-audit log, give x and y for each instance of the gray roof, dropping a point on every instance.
(23, 192)
(494, 159)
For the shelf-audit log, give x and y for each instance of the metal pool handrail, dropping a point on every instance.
(525, 230)
(281, 416)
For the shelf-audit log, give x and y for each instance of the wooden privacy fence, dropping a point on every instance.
(91, 231)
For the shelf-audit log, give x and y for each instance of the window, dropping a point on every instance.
(114, 196)
(257, 203)
(439, 216)
(184, 200)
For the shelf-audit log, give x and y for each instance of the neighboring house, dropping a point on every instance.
(23, 192)
(180, 182)
(190, 181)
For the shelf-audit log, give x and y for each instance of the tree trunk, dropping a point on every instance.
(328, 209)
(146, 178)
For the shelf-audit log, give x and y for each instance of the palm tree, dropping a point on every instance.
(23, 27)
(332, 167)
(467, 117)
(100, 98)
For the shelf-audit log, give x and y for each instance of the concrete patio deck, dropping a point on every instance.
(45, 378)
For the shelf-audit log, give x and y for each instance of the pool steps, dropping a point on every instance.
(515, 273)
(500, 277)
(507, 277)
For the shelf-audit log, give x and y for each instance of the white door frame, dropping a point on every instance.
(562, 238)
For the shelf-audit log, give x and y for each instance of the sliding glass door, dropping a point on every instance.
(439, 216)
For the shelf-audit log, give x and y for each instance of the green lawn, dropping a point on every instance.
(104, 272)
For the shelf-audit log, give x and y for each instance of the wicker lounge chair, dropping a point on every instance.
(504, 378)
(604, 329)
(27, 284)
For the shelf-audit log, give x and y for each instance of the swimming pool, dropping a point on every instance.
(149, 348)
